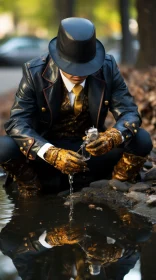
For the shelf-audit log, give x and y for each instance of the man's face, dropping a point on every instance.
(74, 79)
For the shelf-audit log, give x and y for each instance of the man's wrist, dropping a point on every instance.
(43, 150)
(123, 139)
(42, 240)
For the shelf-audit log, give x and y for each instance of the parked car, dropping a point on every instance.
(113, 46)
(17, 50)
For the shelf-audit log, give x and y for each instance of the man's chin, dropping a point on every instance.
(77, 81)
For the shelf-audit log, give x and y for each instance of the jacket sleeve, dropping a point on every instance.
(122, 105)
(23, 114)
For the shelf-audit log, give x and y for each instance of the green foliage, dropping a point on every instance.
(104, 13)
(42, 13)
(36, 13)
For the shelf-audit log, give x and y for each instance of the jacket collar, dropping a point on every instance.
(51, 72)
(53, 90)
(96, 88)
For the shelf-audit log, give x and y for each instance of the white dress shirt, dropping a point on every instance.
(43, 242)
(69, 85)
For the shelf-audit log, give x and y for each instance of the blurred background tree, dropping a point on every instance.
(64, 8)
(126, 47)
(147, 34)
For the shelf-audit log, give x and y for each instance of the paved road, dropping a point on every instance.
(9, 78)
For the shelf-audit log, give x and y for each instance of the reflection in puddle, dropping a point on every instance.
(43, 243)
(134, 274)
(7, 269)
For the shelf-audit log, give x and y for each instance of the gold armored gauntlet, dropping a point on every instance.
(106, 141)
(64, 235)
(66, 161)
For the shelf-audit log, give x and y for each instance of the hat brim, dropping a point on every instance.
(78, 69)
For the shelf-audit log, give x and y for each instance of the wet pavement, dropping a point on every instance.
(97, 243)
(7, 269)
(9, 78)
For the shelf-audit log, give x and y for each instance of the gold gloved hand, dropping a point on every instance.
(66, 161)
(64, 235)
(106, 141)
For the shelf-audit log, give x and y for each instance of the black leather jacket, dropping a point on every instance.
(38, 101)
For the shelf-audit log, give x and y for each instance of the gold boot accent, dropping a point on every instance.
(25, 177)
(128, 167)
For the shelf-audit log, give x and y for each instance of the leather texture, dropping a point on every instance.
(76, 40)
(41, 87)
(76, 50)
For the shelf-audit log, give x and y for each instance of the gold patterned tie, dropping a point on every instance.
(78, 102)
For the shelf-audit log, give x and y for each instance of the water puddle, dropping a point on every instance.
(42, 238)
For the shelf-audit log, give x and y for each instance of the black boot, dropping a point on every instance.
(26, 178)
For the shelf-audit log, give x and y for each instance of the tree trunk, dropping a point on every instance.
(65, 8)
(147, 33)
(126, 48)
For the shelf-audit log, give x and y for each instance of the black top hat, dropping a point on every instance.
(76, 50)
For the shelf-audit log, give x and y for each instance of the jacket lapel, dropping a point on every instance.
(53, 92)
(96, 88)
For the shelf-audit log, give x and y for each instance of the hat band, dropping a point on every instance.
(75, 58)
